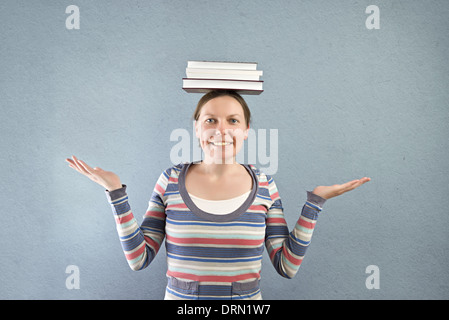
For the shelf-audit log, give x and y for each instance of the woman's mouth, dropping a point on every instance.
(220, 143)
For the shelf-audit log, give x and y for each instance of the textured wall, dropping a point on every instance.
(347, 102)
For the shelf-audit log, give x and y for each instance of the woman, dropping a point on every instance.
(216, 214)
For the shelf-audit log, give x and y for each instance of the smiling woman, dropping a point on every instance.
(222, 119)
(216, 215)
(221, 124)
(223, 93)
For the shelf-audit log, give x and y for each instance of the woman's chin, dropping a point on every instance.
(220, 154)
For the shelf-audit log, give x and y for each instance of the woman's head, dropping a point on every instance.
(221, 93)
(222, 121)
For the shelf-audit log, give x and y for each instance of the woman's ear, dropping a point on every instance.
(246, 133)
(197, 129)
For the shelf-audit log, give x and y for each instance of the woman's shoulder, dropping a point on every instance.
(175, 171)
(262, 176)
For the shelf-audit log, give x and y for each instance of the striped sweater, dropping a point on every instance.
(214, 256)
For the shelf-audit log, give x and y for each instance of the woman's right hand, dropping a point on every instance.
(109, 180)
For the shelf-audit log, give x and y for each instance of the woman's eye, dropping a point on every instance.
(210, 121)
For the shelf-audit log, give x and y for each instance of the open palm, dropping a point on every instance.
(109, 180)
(328, 192)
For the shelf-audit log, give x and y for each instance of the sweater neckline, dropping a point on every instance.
(210, 216)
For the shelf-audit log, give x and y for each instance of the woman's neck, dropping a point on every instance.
(218, 170)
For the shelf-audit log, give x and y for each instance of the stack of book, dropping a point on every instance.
(203, 76)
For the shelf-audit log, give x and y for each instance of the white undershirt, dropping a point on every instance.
(220, 206)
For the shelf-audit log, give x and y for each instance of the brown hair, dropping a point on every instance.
(220, 93)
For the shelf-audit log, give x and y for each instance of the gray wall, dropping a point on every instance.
(347, 102)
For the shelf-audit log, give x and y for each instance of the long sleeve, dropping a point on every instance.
(140, 243)
(287, 250)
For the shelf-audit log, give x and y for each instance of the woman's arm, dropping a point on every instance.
(287, 250)
(140, 244)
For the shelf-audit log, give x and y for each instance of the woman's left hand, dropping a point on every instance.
(328, 192)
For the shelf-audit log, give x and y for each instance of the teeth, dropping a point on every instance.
(221, 143)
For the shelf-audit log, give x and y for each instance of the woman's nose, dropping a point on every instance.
(220, 129)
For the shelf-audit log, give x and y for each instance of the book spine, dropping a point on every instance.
(222, 76)
(206, 90)
(214, 79)
(222, 65)
(225, 71)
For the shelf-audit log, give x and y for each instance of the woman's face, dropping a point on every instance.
(221, 128)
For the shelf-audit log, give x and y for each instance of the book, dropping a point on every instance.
(205, 90)
(205, 85)
(222, 65)
(204, 76)
(205, 73)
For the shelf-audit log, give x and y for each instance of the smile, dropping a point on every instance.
(220, 143)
